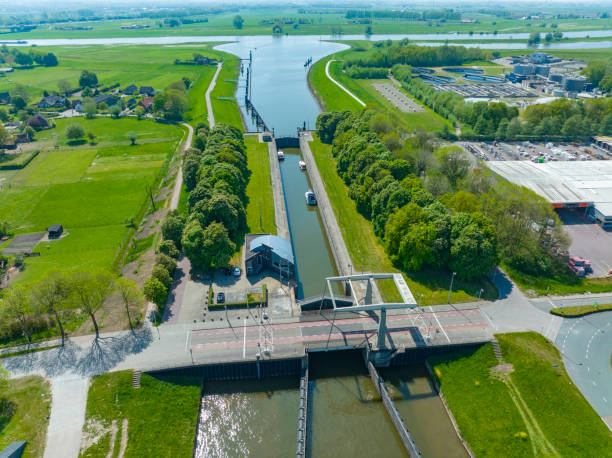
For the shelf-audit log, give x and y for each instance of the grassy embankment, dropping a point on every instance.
(221, 24)
(334, 98)
(260, 207)
(24, 414)
(533, 410)
(429, 287)
(161, 415)
(225, 109)
(94, 191)
(561, 285)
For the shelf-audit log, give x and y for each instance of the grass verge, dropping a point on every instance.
(580, 310)
(429, 287)
(481, 405)
(564, 416)
(226, 111)
(161, 414)
(24, 414)
(260, 207)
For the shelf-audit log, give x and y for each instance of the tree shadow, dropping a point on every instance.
(101, 356)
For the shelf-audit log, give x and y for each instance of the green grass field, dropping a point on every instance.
(221, 24)
(24, 414)
(260, 207)
(481, 404)
(429, 287)
(92, 190)
(143, 65)
(227, 111)
(565, 417)
(335, 99)
(161, 414)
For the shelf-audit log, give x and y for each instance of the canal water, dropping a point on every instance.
(252, 418)
(423, 412)
(313, 257)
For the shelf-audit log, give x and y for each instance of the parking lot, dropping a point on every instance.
(536, 152)
(589, 240)
(498, 90)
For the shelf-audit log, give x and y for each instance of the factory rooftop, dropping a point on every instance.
(564, 184)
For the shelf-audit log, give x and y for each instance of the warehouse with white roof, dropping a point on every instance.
(584, 184)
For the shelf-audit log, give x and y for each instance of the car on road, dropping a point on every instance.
(220, 298)
(236, 272)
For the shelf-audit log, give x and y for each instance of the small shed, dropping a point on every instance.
(268, 251)
(55, 231)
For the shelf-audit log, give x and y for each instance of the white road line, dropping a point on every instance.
(187, 341)
(359, 101)
(439, 324)
(488, 319)
(244, 340)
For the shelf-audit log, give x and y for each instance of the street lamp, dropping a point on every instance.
(451, 286)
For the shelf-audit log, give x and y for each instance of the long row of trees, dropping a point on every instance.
(215, 175)
(432, 209)
(419, 56)
(59, 297)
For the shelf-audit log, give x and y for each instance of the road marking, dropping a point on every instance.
(244, 340)
(488, 319)
(440, 324)
(187, 341)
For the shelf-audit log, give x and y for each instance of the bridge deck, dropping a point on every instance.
(405, 330)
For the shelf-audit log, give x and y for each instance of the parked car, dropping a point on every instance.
(236, 271)
(220, 298)
(581, 262)
(579, 271)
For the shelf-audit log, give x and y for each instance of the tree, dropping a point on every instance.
(92, 138)
(23, 59)
(217, 249)
(472, 254)
(64, 86)
(49, 60)
(238, 21)
(17, 307)
(139, 112)
(368, 30)
(90, 290)
(18, 102)
(131, 297)
(548, 37)
(75, 132)
(88, 79)
(192, 242)
(51, 295)
(90, 109)
(4, 135)
(595, 71)
(534, 38)
(172, 228)
(155, 291)
(514, 128)
(4, 114)
(453, 163)
(168, 248)
(115, 111)
(161, 273)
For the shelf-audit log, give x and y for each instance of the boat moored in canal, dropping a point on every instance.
(310, 198)
(302, 165)
(281, 155)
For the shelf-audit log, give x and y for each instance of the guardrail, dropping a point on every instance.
(396, 418)
(302, 434)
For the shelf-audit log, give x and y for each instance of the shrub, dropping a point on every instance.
(161, 274)
(166, 262)
(168, 248)
(155, 291)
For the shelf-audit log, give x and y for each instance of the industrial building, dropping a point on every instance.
(573, 83)
(268, 251)
(585, 184)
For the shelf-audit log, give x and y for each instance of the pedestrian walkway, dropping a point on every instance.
(211, 87)
(69, 401)
(359, 101)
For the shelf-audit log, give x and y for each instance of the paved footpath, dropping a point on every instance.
(209, 107)
(359, 101)
(69, 400)
(280, 211)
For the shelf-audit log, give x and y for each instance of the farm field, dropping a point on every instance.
(430, 287)
(95, 191)
(259, 21)
(116, 64)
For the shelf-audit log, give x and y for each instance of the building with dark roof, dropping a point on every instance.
(147, 90)
(131, 89)
(266, 251)
(55, 231)
(52, 101)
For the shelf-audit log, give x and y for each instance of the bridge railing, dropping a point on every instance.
(302, 433)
